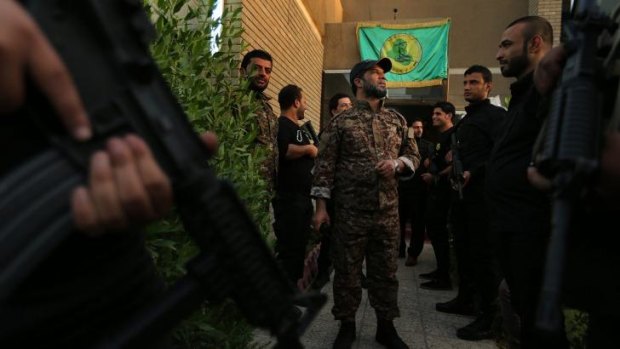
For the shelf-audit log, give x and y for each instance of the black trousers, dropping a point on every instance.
(475, 248)
(522, 257)
(412, 209)
(293, 216)
(437, 210)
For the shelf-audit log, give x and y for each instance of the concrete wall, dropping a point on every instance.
(286, 30)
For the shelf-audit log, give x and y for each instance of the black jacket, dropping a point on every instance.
(514, 204)
(476, 134)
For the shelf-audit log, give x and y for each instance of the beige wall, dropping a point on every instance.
(286, 30)
(324, 11)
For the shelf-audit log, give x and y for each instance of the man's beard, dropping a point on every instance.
(255, 87)
(516, 66)
(373, 91)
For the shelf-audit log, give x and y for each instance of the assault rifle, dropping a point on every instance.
(457, 166)
(571, 140)
(309, 130)
(104, 43)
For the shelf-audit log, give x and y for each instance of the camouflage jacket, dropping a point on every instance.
(351, 145)
(267, 137)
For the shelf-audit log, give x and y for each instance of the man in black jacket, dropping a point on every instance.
(519, 214)
(474, 246)
(438, 204)
(412, 196)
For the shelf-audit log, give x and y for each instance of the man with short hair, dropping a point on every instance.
(256, 66)
(292, 205)
(519, 214)
(362, 153)
(439, 196)
(478, 268)
(337, 104)
(412, 196)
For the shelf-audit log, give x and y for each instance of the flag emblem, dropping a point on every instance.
(405, 52)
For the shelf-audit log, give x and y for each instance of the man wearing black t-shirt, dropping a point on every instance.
(439, 195)
(292, 205)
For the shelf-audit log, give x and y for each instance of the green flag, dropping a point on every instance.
(419, 51)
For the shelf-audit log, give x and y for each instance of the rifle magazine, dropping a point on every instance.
(35, 214)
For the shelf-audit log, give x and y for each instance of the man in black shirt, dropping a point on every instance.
(439, 199)
(475, 247)
(292, 204)
(518, 213)
(412, 197)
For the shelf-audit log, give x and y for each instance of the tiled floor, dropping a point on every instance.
(420, 326)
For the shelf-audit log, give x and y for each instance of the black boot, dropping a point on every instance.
(458, 306)
(481, 328)
(386, 335)
(441, 283)
(429, 276)
(346, 335)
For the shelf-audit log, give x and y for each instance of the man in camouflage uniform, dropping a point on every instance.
(362, 152)
(256, 65)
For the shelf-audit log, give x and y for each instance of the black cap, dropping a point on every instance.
(362, 66)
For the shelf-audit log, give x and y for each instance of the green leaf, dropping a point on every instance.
(208, 87)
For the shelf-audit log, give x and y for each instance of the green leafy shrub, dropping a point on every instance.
(209, 88)
(576, 325)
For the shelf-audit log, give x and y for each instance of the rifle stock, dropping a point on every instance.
(104, 44)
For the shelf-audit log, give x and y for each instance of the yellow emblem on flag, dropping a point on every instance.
(404, 50)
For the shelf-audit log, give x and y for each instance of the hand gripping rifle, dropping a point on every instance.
(457, 166)
(104, 43)
(571, 140)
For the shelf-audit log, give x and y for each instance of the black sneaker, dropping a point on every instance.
(481, 328)
(437, 284)
(456, 306)
(429, 276)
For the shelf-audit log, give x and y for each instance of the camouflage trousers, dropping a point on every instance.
(373, 235)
